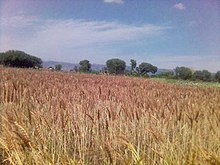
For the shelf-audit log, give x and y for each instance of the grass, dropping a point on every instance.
(64, 118)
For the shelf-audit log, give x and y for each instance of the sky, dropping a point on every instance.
(165, 33)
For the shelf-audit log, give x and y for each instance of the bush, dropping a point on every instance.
(94, 72)
(217, 76)
(204, 75)
(168, 74)
(58, 67)
(135, 74)
(15, 58)
(183, 73)
(145, 75)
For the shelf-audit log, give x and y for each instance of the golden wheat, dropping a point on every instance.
(64, 118)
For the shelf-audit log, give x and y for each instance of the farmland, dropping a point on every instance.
(65, 118)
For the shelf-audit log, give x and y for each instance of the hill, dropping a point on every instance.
(68, 66)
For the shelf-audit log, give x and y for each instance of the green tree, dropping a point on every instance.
(85, 66)
(116, 66)
(217, 76)
(144, 68)
(133, 64)
(197, 75)
(15, 58)
(58, 67)
(207, 76)
(183, 73)
(204, 75)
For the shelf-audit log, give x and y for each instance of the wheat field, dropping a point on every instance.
(57, 118)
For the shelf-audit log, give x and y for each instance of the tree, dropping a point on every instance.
(85, 66)
(204, 75)
(58, 67)
(197, 75)
(145, 68)
(207, 76)
(183, 73)
(116, 66)
(133, 65)
(217, 76)
(15, 58)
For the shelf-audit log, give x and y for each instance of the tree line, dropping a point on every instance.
(185, 73)
(116, 66)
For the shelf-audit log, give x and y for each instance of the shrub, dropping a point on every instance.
(15, 58)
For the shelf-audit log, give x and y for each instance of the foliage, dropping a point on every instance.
(183, 73)
(133, 64)
(116, 66)
(217, 76)
(127, 72)
(15, 58)
(58, 67)
(85, 66)
(204, 75)
(135, 74)
(207, 76)
(94, 72)
(145, 75)
(145, 68)
(91, 119)
(197, 75)
(168, 74)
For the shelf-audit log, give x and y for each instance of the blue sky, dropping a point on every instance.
(166, 33)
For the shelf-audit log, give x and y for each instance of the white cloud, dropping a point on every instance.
(180, 6)
(78, 33)
(73, 39)
(18, 21)
(114, 1)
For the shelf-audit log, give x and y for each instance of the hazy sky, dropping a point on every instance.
(166, 33)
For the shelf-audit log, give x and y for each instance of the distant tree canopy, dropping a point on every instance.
(217, 76)
(116, 66)
(183, 73)
(15, 58)
(85, 66)
(204, 75)
(133, 64)
(145, 68)
(58, 67)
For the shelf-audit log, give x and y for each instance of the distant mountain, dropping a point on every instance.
(164, 70)
(97, 67)
(68, 66)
